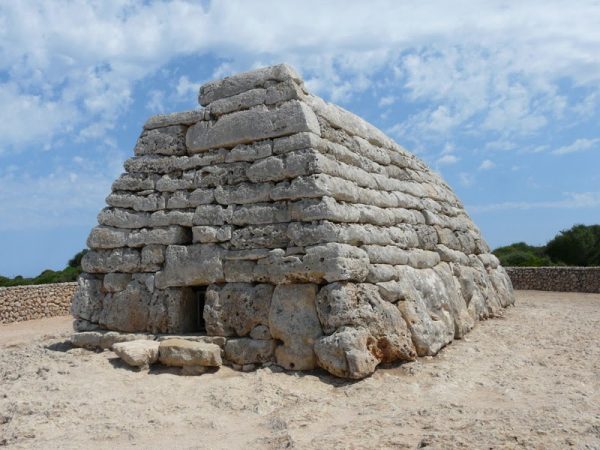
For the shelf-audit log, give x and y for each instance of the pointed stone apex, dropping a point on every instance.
(241, 82)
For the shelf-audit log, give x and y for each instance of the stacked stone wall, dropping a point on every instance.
(35, 302)
(316, 238)
(560, 279)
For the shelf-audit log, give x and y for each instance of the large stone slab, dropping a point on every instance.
(181, 353)
(293, 320)
(192, 265)
(140, 353)
(246, 81)
(251, 125)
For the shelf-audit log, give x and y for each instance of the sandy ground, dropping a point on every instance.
(528, 380)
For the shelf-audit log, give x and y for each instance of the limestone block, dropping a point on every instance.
(296, 141)
(160, 236)
(243, 193)
(360, 305)
(260, 236)
(178, 118)
(192, 265)
(236, 308)
(102, 237)
(103, 339)
(221, 175)
(327, 262)
(117, 260)
(212, 215)
(243, 100)
(249, 351)
(347, 353)
(239, 271)
(140, 353)
(115, 282)
(150, 164)
(181, 353)
(180, 200)
(152, 202)
(167, 218)
(242, 82)
(134, 182)
(260, 213)
(293, 320)
(162, 141)
(463, 321)
(169, 184)
(423, 302)
(284, 91)
(281, 167)
(379, 273)
(243, 127)
(152, 255)
(386, 254)
(250, 152)
(206, 234)
(121, 218)
(87, 301)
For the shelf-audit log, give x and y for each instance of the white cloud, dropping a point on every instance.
(466, 179)
(496, 67)
(447, 159)
(578, 146)
(386, 100)
(571, 200)
(487, 164)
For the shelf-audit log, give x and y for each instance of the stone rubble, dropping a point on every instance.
(292, 229)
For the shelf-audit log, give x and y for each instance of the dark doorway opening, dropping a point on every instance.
(199, 300)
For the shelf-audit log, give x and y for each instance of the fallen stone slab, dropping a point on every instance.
(140, 353)
(102, 340)
(181, 353)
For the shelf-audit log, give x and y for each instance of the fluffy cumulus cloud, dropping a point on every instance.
(495, 68)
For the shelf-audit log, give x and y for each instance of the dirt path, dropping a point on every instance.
(32, 330)
(528, 380)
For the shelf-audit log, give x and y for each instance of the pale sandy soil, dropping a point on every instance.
(528, 380)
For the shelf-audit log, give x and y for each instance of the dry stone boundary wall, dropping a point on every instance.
(35, 302)
(561, 279)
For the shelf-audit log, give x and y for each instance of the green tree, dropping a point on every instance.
(577, 246)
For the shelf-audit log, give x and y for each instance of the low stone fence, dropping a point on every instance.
(35, 302)
(563, 279)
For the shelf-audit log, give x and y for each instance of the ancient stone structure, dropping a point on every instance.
(291, 227)
(21, 303)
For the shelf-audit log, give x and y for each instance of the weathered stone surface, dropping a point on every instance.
(117, 260)
(236, 308)
(303, 232)
(207, 234)
(103, 340)
(87, 301)
(178, 118)
(247, 126)
(293, 320)
(360, 305)
(192, 265)
(181, 353)
(249, 351)
(162, 141)
(347, 353)
(140, 353)
(242, 82)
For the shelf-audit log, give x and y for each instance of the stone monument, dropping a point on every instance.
(290, 227)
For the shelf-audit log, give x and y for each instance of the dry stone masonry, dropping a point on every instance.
(561, 279)
(291, 228)
(21, 303)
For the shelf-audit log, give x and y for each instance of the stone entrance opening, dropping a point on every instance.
(199, 302)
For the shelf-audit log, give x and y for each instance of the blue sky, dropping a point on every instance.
(502, 98)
